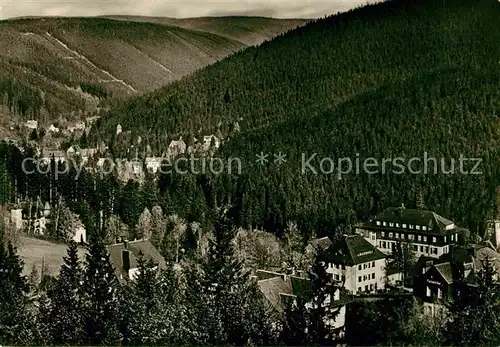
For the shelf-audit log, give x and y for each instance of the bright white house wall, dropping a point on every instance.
(365, 277)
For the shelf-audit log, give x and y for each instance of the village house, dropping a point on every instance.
(77, 127)
(84, 153)
(357, 264)
(58, 155)
(429, 233)
(53, 129)
(119, 129)
(436, 282)
(124, 257)
(176, 148)
(32, 124)
(277, 288)
(210, 140)
(153, 164)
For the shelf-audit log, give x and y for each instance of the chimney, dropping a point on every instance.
(125, 244)
(126, 260)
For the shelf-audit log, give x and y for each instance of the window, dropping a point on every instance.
(390, 234)
(419, 237)
(343, 267)
(434, 250)
(382, 234)
(371, 287)
(417, 227)
(415, 248)
(424, 227)
(364, 278)
(373, 236)
(391, 224)
(410, 226)
(359, 267)
(384, 223)
(404, 226)
(428, 292)
(403, 236)
(422, 249)
(411, 237)
(336, 277)
(373, 276)
(434, 239)
(426, 249)
(440, 294)
(373, 264)
(366, 288)
(360, 279)
(397, 225)
(425, 238)
(384, 244)
(359, 289)
(445, 239)
(377, 222)
(397, 235)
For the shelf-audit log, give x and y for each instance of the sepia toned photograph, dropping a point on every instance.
(249, 173)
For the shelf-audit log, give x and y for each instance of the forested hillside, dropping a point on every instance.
(393, 79)
(54, 66)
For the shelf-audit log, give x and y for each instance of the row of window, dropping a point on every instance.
(339, 278)
(416, 248)
(368, 288)
(410, 237)
(366, 265)
(403, 225)
(366, 277)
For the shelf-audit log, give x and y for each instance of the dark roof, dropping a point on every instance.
(149, 252)
(352, 250)
(401, 215)
(321, 244)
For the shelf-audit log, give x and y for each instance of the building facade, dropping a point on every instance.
(357, 264)
(429, 233)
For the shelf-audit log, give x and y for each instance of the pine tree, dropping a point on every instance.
(320, 312)
(295, 322)
(14, 318)
(66, 297)
(101, 301)
(475, 315)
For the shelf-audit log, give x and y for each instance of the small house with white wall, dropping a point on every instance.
(357, 264)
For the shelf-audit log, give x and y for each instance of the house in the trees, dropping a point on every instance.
(176, 148)
(436, 282)
(124, 257)
(209, 142)
(57, 155)
(153, 164)
(278, 288)
(429, 233)
(357, 264)
(32, 124)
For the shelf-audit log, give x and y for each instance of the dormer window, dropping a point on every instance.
(417, 227)
(410, 226)
(404, 226)
(424, 227)
(384, 223)
(391, 224)
(397, 225)
(377, 222)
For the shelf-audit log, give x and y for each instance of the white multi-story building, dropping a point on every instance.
(357, 264)
(429, 233)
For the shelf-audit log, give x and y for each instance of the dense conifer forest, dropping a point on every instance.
(395, 79)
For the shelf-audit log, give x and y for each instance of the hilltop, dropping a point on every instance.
(398, 78)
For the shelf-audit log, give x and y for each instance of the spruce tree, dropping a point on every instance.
(101, 296)
(13, 293)
(321, 312)
(66, 297)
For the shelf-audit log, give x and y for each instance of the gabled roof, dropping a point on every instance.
(402, 215)
(135, 248)
(322, 244)
(352, 250)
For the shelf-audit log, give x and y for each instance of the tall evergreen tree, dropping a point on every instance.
(321, 311)
(14, 288)
(67, 301)
(101, 296)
